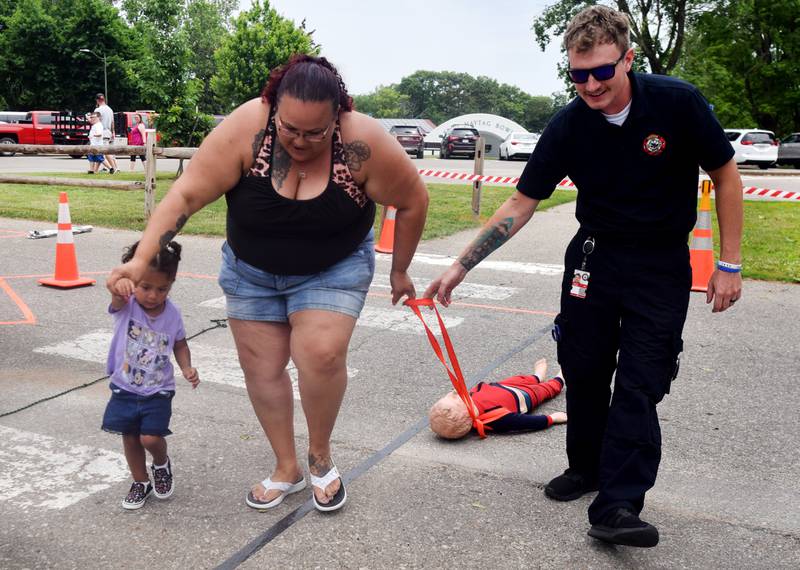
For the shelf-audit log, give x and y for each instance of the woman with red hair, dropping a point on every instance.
(301, 172)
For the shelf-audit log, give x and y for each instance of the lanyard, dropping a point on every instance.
(588, 248)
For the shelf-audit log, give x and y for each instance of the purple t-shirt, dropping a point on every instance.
(139, 358)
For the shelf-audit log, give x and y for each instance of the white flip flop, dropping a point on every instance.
(338, 500)
(285, 488)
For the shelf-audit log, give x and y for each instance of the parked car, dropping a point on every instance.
(754, 146)
(410, 138)
(35, 128)
(459, 141)
(518, 144)
(789, 151)
(12, 116)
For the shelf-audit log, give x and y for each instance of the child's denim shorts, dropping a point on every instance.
(95, 157)
(131, 414)
(255, 295)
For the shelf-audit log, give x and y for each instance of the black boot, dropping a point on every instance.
(569, 486)
(621, 526)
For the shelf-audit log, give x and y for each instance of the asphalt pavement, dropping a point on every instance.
(727, 495)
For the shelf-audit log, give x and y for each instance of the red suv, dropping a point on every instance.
(410, 138)
(459, 141)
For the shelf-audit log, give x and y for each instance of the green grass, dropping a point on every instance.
(771, 241)
(450, 206)
(770, 248)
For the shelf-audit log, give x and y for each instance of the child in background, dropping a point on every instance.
(96, 139)
(517, 396)
(147, 327)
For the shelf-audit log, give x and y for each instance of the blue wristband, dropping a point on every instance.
(729, 267)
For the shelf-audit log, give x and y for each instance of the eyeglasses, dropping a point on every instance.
(313, 137)
(601, 72)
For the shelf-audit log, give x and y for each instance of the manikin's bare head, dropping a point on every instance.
(449, 417)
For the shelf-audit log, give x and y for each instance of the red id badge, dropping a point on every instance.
(580, 283)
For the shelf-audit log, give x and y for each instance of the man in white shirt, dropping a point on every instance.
(107, 119)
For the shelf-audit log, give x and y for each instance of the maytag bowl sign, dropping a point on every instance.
(493, 128)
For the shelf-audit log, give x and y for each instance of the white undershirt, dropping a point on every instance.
(619, 118)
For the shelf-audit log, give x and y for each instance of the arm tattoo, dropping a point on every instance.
(486, 243)
(319, 465)
(281, 163)
(259, 138)
(355, 153)
(168, 235)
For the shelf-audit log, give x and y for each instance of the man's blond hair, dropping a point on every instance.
(597, 25)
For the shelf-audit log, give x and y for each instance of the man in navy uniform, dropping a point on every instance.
(632, 144)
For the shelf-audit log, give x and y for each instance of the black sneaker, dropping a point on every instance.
(569, 486)
(162, 479)
(137, 496)
(621, 526)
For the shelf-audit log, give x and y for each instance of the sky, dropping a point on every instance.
(379, 42)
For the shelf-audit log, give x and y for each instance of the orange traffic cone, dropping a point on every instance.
(386, 242)
(66, 274)
(701, 253)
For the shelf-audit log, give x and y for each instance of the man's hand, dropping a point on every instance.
(443, 286)
(401, 285)
(191, 375)
(724, 289)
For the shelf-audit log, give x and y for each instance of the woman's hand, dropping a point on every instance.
(559, 417)
(401, 285)
(125, 277)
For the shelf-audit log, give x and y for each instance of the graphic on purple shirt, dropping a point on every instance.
(139, 357)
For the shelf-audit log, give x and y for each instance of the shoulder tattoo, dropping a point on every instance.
(257, 140)
(488, 241)
(281, 163)
(355, 153)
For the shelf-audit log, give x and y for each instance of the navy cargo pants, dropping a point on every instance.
(630, 321)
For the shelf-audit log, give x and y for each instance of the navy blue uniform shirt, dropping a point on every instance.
(639, 179)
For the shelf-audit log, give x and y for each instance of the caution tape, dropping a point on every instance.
(567, 184)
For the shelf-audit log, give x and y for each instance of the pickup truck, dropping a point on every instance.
(35, 128)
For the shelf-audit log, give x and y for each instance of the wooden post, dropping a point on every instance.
(480, 145)
(150, 174)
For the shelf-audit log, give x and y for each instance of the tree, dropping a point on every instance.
(261, 40)
(161, 67)
(437, 95)
(745, 57)
(206, 27)
(384, 102)
(657, 27)
(40, 60)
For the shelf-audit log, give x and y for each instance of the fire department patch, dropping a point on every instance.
(654, 145)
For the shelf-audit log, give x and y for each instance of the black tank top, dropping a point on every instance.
(296, 237)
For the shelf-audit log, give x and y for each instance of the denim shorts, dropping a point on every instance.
(95, 158)
(131, 414)
(256, 295)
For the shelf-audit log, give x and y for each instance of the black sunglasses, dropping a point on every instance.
(601, 72)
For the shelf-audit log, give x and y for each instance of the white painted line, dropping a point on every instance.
(215, 303)
(464, 291)
(215, 364)
(402, 320)
(508, 266)
(41, 471)
(91, 347)
(396, 319)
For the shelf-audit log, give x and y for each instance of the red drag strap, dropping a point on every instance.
(456, 376)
